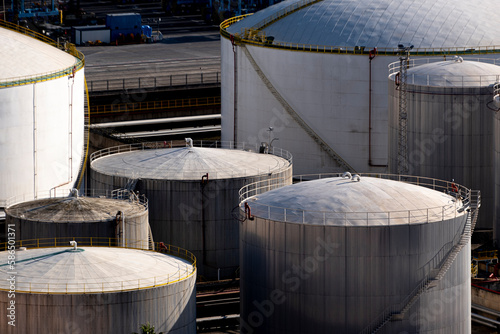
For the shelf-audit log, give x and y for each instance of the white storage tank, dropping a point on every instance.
(317, 58)
(97, 289)
(450, 126)
(41, 116)
(122, 216)
(349, 255)
(192, 193)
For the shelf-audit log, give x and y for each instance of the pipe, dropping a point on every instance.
(372, 54)
(74, 244)
(189, 142)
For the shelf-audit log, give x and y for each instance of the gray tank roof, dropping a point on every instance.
(91, 269)
(454, 73)
(383, 23)
(328, 200)
(75, 209)
(188, 163)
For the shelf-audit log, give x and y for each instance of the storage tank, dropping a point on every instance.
(97, 289)
(122, 216)
(42, 114)
(350, 255)
(309, 69)
(192, 192)
(450, 126)
(496, 224)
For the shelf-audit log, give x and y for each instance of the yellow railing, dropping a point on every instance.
(474, 270)
(257, 40)
(103, 287)
(67, 47)
(485, 255)
(155, 105)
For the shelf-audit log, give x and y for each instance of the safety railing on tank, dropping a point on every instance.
(260, 39)
(196, 143)
(459, 200)
(119, 194)
(444, 80)
(103, 287)
(39, 77)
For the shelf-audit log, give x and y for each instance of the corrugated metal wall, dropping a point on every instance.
(450, 136)
(497, 178)
(299, 278)
(170, 308)
(179, 208)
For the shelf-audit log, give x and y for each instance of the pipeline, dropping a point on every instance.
(371, 55)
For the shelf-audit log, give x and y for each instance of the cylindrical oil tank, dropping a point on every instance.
(97, 290)
(193, 193)
(339, 255)
(327, 61)
(123, 219)
(451, 120)
(41, 115)
(496, 224)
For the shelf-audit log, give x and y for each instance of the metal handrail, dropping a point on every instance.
(155, 105)
(202, 143)
(104, 287)
(343, 218)
(67, 47)
(173, 80)
(119, 194)
(446, 81)
(355, 50)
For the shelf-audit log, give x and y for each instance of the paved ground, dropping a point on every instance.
(189, 46)
(195, 55)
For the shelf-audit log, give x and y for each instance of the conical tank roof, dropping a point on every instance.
(75, 209)
(24, 56)
(92, 269)
(454, 73)
(336, 200)
(189, 163)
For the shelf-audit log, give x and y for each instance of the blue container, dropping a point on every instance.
(124, 24)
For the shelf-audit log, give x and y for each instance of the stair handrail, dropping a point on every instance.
(473, 205)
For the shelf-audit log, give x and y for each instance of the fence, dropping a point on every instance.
(174, 80)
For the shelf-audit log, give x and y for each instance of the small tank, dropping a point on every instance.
(122, 216)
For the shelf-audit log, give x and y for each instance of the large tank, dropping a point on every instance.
(97, 290)
(123, 218)
(497, 178)
(335, 255)
(192, 193)
(450, 126)
(42, 115)
(317, 58)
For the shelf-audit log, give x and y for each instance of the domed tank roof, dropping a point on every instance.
(92, 269)
(454, 73)
(334, 201)
(75, 209)
(23, 56)
(381, 23)
(189, 163)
